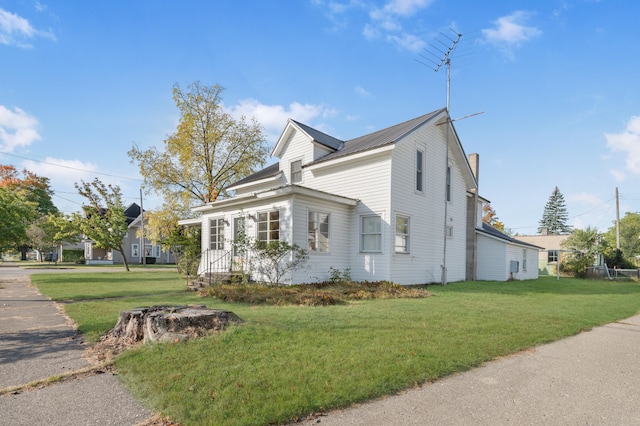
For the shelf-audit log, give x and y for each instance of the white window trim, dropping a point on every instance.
(422, 171)
(361, 234)
(293, 161)
(407, 235)
(318, 212)
(268, 213)
(449, 183)
(219, 233)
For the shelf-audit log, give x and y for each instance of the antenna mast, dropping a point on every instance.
(444, 58)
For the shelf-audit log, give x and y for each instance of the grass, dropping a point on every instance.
(285, 362)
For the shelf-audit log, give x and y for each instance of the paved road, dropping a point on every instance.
(37, 342)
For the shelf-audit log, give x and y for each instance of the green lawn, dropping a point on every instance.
(289, 361)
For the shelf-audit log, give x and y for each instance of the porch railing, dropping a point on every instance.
(221, 265)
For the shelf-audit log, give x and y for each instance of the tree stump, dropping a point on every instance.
(170, 323)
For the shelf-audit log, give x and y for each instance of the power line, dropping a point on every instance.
(73, 168)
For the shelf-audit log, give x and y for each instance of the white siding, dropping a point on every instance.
(367, 180)
(495, 256)
(492, 263)
(339, 254)
(424, 262)
(299, 147)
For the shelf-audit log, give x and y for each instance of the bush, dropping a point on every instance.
(321, 294)
(72, 255)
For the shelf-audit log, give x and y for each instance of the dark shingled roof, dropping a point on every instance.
(363, 143)
(495, 233)
(267, 172)
(380, 138)
(320, 137)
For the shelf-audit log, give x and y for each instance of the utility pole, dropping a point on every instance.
(617, 221)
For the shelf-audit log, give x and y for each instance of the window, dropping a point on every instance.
(524, 259)
(318, 231)
(134, 250)
(402, 234)
(296, 171)
(419, 170)
(449, 231)
(269, 226)
(448, 183)
(216, 239)
(371, 233)
(552, 256)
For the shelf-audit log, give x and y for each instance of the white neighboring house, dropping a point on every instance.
(399, 204)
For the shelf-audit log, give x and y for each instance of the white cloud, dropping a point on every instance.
(511, 30)
(274, 117)
(15, 30)
(403, 7)
(585, 198)
(17, 129)
(62, 171)
(618, 175)
(627, 142)
(408, 42)
(386, 21)
(362, 92)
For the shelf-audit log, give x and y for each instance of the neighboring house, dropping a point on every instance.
(552, 251)
(132, 245)
(399, 204)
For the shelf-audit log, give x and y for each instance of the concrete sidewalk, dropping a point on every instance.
(589, 379)
(37, 342)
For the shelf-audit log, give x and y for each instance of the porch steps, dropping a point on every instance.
(213, 278)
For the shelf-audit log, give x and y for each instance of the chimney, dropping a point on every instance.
(474, 162)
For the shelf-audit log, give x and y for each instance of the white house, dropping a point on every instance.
(399, 204)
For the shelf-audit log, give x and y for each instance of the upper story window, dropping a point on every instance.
(296, 171)
(269, 226)
(318, 231)
(419, 170)
(402, 234)
(216, 234)
(448, 183)
(371, 233)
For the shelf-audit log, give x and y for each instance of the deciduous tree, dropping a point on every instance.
(208, 151)
(582, 247)
(104, 221)
(15, 215)
(34, 195)
(629, 241)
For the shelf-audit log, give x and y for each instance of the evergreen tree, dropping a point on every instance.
(555, 215)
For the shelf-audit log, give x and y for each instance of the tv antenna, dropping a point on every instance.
(445, 51)
(444, 57)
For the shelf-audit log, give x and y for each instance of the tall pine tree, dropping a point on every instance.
(555, 216)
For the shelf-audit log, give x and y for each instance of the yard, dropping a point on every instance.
(286, 362)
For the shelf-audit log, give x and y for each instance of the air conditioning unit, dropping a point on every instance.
(514, 267)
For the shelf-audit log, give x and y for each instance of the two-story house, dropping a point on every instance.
(398, 204)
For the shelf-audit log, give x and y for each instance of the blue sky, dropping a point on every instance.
(557, 81)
